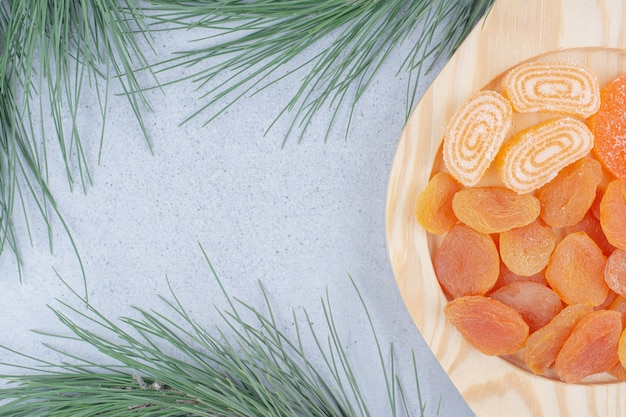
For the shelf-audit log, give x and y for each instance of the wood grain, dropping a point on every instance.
(585, 31)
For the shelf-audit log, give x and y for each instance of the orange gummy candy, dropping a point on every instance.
(534, 156)
(494, 209)
(609, 127)
(576, 270)
(487, 324)
(434, 204)
(474, 136)
(467, 262)
(552, 87)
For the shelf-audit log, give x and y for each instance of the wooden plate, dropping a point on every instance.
(589, 32)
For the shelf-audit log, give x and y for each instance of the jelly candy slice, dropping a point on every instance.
(534, 156)
(474, 136)
(552, 87)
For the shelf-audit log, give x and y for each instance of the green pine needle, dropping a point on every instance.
(254, 43)
(50, 51)
(169, 365)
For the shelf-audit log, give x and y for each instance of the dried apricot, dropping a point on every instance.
(474, 135)
(576, 270)
(487, 324)
(494, 209)
(595, 207)
(619, 305)
(615, 272)
(613, 213)
(543, 346)
(467, 262)
(536, 303)
(526, 250)
(507, 277)
(590, 224)
(434, 204)
(606, 304)
(621, 348)
(618, 371)
(609, 127)
(591, 348)
(566, 199)
(552, 87)
(534, 156)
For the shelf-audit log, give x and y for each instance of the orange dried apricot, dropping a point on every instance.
(474, 135)
(621, 348)
(613, 213)
(534, 156)
(494, 209)
(536, 303)
(619, 305)
(615, 272)
(566, 199)
(595, 207)
(590, 224)
(526, 250)
(434, 204)
(591, 348)
(606, 304)
(467, 262)
(576, 270)
(552, 87)
(609, 127)
(543, 346)
(487, 324)
(507, 277)
(618, 371)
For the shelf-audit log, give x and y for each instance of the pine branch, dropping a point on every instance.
(50, 51)
(169, 365)
(255, 42)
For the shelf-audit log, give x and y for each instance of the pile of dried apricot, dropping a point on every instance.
(534, 263)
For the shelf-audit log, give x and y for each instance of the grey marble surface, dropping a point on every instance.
(301, 219)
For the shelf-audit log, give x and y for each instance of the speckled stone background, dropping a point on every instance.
(300, 218)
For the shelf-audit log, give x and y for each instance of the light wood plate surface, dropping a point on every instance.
(585, 31)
